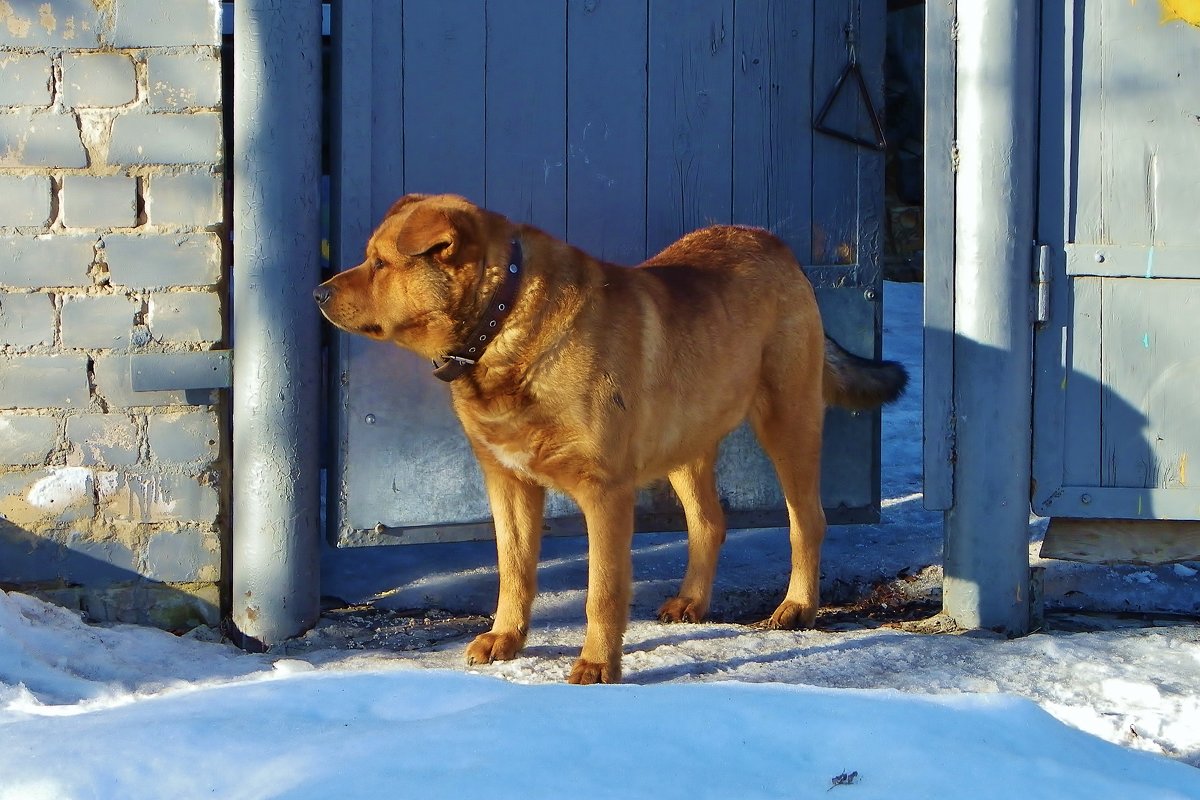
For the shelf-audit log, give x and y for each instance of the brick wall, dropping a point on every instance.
(110, 245)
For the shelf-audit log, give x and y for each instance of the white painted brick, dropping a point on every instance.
(181, 438)
(46, 260)
(185, 316)
(59, 381)
(98, 79)
(41, 139)
(98, 322)
(108, 201)
(26, 440)
(25, 201)
(179, 81)
(190, 198)
(166, 139)
(25, 80)
(152, 260)
(154, 23)
(104, 439)
(26, 319)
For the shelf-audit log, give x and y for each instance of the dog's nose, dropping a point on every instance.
(322, 294)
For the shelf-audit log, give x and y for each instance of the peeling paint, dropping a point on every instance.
(17, 26)
(46, 18)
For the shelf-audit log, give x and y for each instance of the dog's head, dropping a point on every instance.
(420, 280)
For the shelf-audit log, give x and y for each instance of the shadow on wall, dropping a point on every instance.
(98, 578)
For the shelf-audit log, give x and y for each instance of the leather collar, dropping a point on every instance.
(458, 361)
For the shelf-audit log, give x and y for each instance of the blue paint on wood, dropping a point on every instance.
(606, 128)
(444, 46)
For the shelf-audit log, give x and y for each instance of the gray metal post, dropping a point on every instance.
(276, 376)
(987, 528)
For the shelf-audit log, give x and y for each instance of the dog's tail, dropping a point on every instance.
(858, 383)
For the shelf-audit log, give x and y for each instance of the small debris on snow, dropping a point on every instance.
(845, 779)
(1184, 571)
(1144, 576)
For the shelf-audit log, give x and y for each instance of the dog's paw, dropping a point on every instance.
(681, 609)
(588, 672)
(792, 616)
(492, 646)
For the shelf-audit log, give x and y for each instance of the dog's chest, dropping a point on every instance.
(512, 456)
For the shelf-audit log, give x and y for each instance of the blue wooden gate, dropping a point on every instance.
(617, 125)
(1117, 398)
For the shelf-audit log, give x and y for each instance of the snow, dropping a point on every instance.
(713, 710)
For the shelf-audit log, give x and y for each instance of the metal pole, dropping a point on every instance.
(276, 401)
(987, 528)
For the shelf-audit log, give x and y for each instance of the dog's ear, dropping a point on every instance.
(448, 234)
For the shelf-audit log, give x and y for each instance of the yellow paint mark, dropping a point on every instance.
(1184, 10)
(1139, 506)
(46, 17)
(1183, 469)
(1063, 385)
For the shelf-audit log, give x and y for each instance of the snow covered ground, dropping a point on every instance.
(712, 710)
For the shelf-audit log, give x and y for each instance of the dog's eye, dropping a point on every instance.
(377, 264)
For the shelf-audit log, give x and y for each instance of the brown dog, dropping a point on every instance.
(594, 379)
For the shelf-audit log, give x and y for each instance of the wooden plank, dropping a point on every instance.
(382, 117)
(1089, 220)
(525, 163)
(444, 46)
(1151, 404)
(1126, 503)
(690, 126)
(1147, 84)
(1079, 429)
(772, 106)
(835, 184)
(350, 117)
(1136, 261)
(606, 128)
(1122, 541)
(938, 411)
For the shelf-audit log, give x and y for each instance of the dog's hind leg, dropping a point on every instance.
(787, 418)
(517, 507)
(696, 485)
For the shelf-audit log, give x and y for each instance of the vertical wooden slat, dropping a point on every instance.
(526, 175)
(1080, 438)
(351, 212)
(938, 410)
(606, 128)
(689, 173)
(444, 97)
(835, 162)
(383, 116)
(772, 111)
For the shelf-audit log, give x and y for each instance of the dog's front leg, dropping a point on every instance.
(517, 507)
(608, 512)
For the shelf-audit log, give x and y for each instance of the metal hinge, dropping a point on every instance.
(1041, 284)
